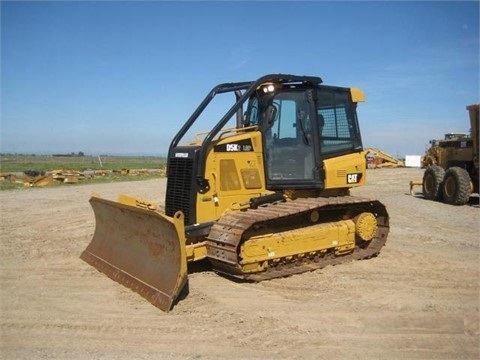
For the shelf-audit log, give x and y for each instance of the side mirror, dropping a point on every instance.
(270, 114)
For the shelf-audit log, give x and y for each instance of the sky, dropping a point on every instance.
(121, 77)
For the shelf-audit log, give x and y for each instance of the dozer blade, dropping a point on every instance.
(139, 248)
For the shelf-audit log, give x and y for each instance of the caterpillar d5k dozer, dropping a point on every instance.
(264, 194)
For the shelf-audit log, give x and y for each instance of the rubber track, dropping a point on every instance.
(226, 235)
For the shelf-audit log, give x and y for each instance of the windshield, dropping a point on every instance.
(287, 131)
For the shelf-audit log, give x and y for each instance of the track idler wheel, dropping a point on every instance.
(365, 226)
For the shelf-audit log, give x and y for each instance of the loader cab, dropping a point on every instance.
(302, 126)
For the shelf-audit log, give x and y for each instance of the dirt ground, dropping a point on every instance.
(419, 299)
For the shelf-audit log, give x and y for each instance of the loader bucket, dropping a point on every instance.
(140, 249)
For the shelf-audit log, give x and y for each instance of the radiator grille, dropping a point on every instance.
(179, 188)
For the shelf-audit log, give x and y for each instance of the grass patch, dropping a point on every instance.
(6, 185)
(141, 168)
(21, 163)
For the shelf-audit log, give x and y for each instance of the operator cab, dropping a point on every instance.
(302, 125)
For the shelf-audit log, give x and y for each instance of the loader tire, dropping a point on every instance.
(432, 183)
(456, 186)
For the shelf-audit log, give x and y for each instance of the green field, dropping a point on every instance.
(20, 163)
(110, 167)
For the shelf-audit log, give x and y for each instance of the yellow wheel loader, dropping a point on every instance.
(263, 194)
(452, 166)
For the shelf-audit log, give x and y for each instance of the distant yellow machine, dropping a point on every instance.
(263, 194)
(452, 164)
(381, 159)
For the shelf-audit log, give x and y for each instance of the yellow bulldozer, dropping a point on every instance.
(263, 194)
